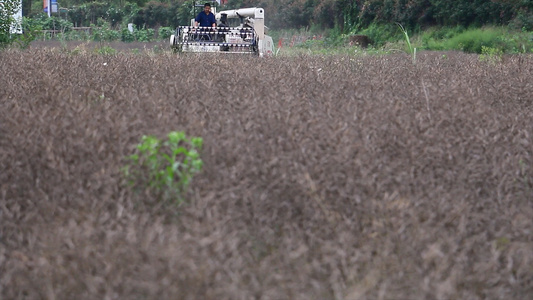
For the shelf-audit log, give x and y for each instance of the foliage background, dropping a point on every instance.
(282, 14)
(333, 19)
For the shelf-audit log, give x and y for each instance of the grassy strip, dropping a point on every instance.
(387, 38)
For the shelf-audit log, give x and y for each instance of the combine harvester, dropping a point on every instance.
(247, 38)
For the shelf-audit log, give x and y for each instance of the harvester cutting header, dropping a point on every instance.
(247, 38)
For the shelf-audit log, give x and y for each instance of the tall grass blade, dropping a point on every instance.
(412, 50)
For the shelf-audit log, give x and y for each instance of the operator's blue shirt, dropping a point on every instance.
(205, 20)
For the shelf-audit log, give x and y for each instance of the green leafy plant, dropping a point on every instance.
(104, 33)
(380, 34)
(165, 167)
(144, 35)
(55, 23)
(164, 33)
(491, 55)
(105, 50)
(126, 35)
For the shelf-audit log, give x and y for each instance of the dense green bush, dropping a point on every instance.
(165, 33)
(104, 34)
(380, 34)
(518, 42)
(310, 44)
(126, 35)
(56, 23)
(475, 39)
(104, 50)
(144, 35)
(433, 38)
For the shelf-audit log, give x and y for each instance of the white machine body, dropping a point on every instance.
(248, 37)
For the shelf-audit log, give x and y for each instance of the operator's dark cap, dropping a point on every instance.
(207, 4)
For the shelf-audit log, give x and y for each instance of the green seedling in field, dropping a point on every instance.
(411, 49)
(105, 50)
(165, 167)
(491, 55)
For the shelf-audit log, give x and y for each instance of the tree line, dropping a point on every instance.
(358, 14)
(346, 15)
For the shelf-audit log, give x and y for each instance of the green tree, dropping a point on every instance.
(157, 14)
(7, 9)
(344, 15)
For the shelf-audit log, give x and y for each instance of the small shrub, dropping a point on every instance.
(164, 33)
(434, 38)
(473, 40)
(335, 37)
(311, 44)
(105, 50)
(380, 34)
(491, 55)
(79, 50)
(518, 42)
(74, 35)
(144, 35)
(165, 167)
(56, 23)
(440, 33)
(126, 35)
(104, 34)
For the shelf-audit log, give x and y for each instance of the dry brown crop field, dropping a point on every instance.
(364, 177)
(91, 46)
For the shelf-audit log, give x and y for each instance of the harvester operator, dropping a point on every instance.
(206, 18)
